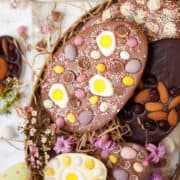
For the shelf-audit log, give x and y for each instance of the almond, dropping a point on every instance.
(153, 106)
(4, 46)
(160, 115)
(174, 102)
(142, 96)
(163, 92)
(173, 117)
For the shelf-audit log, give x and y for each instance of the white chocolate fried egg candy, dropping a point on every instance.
(75, 166)
(101, 86)
(106, 42)
(58, 95)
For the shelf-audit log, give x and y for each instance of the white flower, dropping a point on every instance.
(34, 113)
(32, 131)
(43, 140)
(33, 120)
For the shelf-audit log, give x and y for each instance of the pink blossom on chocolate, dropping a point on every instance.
(79, 40)
(63, 145)
(80, 93)
(45, 29)
(132, 42)
(60, 122)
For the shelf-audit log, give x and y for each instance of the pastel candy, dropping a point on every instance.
(70, 52)
(120, 174)
(78, 40)
(60, 122)
(85, 117)
(128, 153)
(133, 66)
(132, 42)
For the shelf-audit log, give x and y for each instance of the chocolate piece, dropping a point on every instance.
(10, 58)
(81, 101)
(147, 120)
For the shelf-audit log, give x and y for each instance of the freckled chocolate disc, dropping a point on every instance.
(163, 66)
(69, 76)
(84, 63)
(121, 31)
(117, 66)
(74, 102)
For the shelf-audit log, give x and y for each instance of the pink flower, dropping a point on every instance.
(45, 29)
(63, 145)
(21, 29)
(155, 152)
(105, 145)
(156, 175)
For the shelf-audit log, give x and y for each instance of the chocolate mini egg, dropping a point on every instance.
(75, 166)
(96, 81)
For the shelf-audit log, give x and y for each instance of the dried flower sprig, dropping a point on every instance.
(10, 95)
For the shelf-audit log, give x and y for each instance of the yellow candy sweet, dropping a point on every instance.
(100, 67)
(105, 41)
(93, 100)
(113, 159)
(71, 117)
(67, 161)
(50, 171)
(59, 69)
(128, 80)
(72, 176)
(90, 164)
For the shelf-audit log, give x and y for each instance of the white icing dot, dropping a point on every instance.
(169, 29)
(95, 54)
(152, 27)
(77, 161)
(124, 55)
(98, 171)
(48, 104)
(154, 5)
(140, 16)
(103, 107)
(127, 9)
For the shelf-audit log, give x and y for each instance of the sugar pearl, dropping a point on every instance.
(124, 55)
(120, 174)
(133, 66)
(103, 107)
(138, 167)
(95, 54)
(85, 117)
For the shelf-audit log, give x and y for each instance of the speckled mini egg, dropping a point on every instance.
(75, 166)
